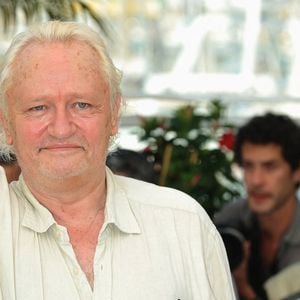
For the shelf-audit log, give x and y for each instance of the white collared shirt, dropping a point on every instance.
(155, 244)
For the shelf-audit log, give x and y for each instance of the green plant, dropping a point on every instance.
(65, 10)
(193, 153)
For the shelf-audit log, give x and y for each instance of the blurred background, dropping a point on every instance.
(206, 65)
(245, 52)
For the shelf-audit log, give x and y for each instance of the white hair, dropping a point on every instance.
(55, 31)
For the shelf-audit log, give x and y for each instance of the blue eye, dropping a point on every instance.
(82, 105)
(38, 108)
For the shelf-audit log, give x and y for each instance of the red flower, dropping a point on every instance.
(147, 150)
(195, 180)
(227, 140)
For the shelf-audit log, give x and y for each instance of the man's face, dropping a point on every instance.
(269, 179)
(60, 116)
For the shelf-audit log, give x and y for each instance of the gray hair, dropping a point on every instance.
(55, 31)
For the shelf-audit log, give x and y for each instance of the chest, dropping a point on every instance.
(84, 244)
(269, 251)
(85, 253)
(123, 268)
(270, 257)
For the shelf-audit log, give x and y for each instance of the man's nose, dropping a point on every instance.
(61, 124)
(256, 177)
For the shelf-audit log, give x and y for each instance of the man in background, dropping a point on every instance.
(268, 221)
(11, 167)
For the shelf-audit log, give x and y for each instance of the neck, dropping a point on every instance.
(275, 224)
(73, 198)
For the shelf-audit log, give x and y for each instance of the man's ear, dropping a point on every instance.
(115, 115)
(5, 125)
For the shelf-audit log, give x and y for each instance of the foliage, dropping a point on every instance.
(65, 10)
(193, 152)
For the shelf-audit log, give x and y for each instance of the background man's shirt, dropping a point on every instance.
(237, 215)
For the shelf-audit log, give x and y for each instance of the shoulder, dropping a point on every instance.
(162, 203)
(167, 213)
(149, 194)
(233, 213)
(162, 209)
(236, 206)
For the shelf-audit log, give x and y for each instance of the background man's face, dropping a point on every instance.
(59, 111)
(269, 179)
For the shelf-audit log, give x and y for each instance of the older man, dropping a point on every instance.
(69, 228)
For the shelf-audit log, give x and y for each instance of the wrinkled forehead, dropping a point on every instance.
(35, 54)
(39, 62)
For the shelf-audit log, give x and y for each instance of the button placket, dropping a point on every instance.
(76, 272)
(102, 266)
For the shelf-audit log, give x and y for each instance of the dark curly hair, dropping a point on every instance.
(271, 129)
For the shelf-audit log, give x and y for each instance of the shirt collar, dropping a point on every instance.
(293, 234)
(118, 209)
(36, 217)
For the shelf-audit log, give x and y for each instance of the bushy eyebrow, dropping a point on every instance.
(80, 97)
(266, 163)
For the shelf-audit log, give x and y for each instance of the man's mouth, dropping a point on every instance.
(259, 197)
(61, 148)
